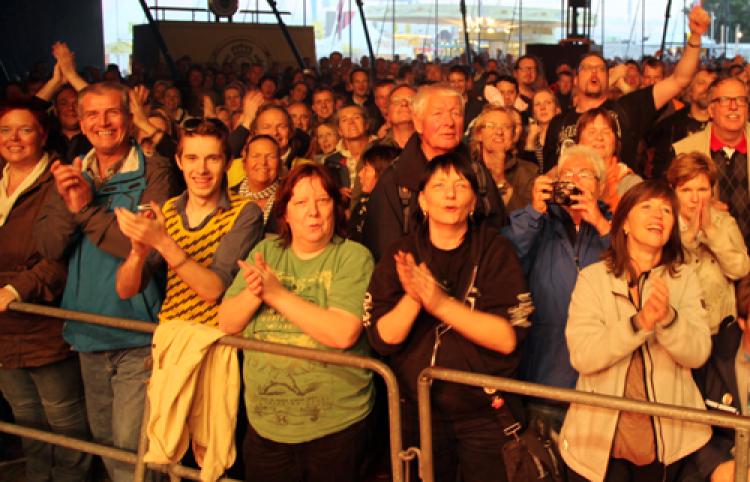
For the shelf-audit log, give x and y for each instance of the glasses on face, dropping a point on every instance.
(724, 101)
(581, 175)
(494, 126)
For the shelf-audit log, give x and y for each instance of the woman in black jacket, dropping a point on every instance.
(444, 296)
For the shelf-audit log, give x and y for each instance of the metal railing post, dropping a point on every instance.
(740, 454)
(397, 455)
(140, 466)
(426, 466)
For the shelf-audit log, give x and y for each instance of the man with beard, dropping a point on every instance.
(634, 113)
(690, 119)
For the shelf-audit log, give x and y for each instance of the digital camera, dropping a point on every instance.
(561, 192)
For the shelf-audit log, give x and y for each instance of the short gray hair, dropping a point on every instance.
(568, 152)
(103, 88)
(425, 92)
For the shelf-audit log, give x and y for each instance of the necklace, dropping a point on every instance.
(268, 193)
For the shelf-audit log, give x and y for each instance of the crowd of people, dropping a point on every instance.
(591, 233)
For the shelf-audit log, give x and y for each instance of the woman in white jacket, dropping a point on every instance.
(711, 238)
(636, 327)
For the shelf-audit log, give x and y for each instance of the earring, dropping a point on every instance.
(424, 213)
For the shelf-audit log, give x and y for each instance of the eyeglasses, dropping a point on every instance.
(724, 101)
(582, 175)
(351, 118)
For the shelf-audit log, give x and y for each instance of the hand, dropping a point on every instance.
(58, 78)
(6, 298)
(141, 94)
(430, 293)
(693, 226)
(724, 472)
(656, 310)
(143, 231)
(252, 101)
(383, 130)
(346, 193)
(252, 277)
(136, 102)
(404, 264)
(209, 110)
(706, 224)
(698, 21)
(65, 58)
(72, 186)
(541, 192)
(587, 206)
(271, 286)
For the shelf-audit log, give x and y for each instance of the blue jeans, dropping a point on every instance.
(115, 382)
(49, 398)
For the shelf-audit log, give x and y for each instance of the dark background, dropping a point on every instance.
(29, 27)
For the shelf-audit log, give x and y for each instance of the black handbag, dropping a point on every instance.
(530, 454)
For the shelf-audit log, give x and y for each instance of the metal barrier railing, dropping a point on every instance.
(398, 456)
(740, 424)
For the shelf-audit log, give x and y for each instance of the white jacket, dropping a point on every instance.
(193, 392)
(601, 341)
(718, 260)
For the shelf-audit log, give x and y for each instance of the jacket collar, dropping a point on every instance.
(410, 167)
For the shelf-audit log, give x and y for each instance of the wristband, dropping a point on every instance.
(694, 45)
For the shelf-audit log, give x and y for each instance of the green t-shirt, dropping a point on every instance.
(291, 400)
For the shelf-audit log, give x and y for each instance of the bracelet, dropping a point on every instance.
(179, 265)
(695, 46)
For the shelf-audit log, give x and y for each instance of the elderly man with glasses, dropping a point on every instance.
(725, 140)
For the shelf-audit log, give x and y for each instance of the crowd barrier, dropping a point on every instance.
(740, 424)
(398, 455)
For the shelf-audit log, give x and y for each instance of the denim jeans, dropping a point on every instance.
(115, 382)
(49, 398)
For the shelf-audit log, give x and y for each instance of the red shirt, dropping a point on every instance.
(717, 145)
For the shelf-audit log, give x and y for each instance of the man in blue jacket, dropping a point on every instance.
(78, 221)
(557, 235)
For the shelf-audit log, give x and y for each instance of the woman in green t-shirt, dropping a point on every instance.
(304, 287)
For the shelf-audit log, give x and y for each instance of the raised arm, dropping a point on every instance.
(668, 88)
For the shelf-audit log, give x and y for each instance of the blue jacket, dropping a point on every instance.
(95, 248)
(551, 264)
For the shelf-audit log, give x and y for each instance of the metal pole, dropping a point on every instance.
(351, 55)
(393, 30)
(740, 454)
(437, 38)
(426, 465)
(466, 33)
(643, 27)
(520, 26)
(357, 361)
(159, 39)
(287, 36)
(601, 19)
(367, 37)
(664, 32)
